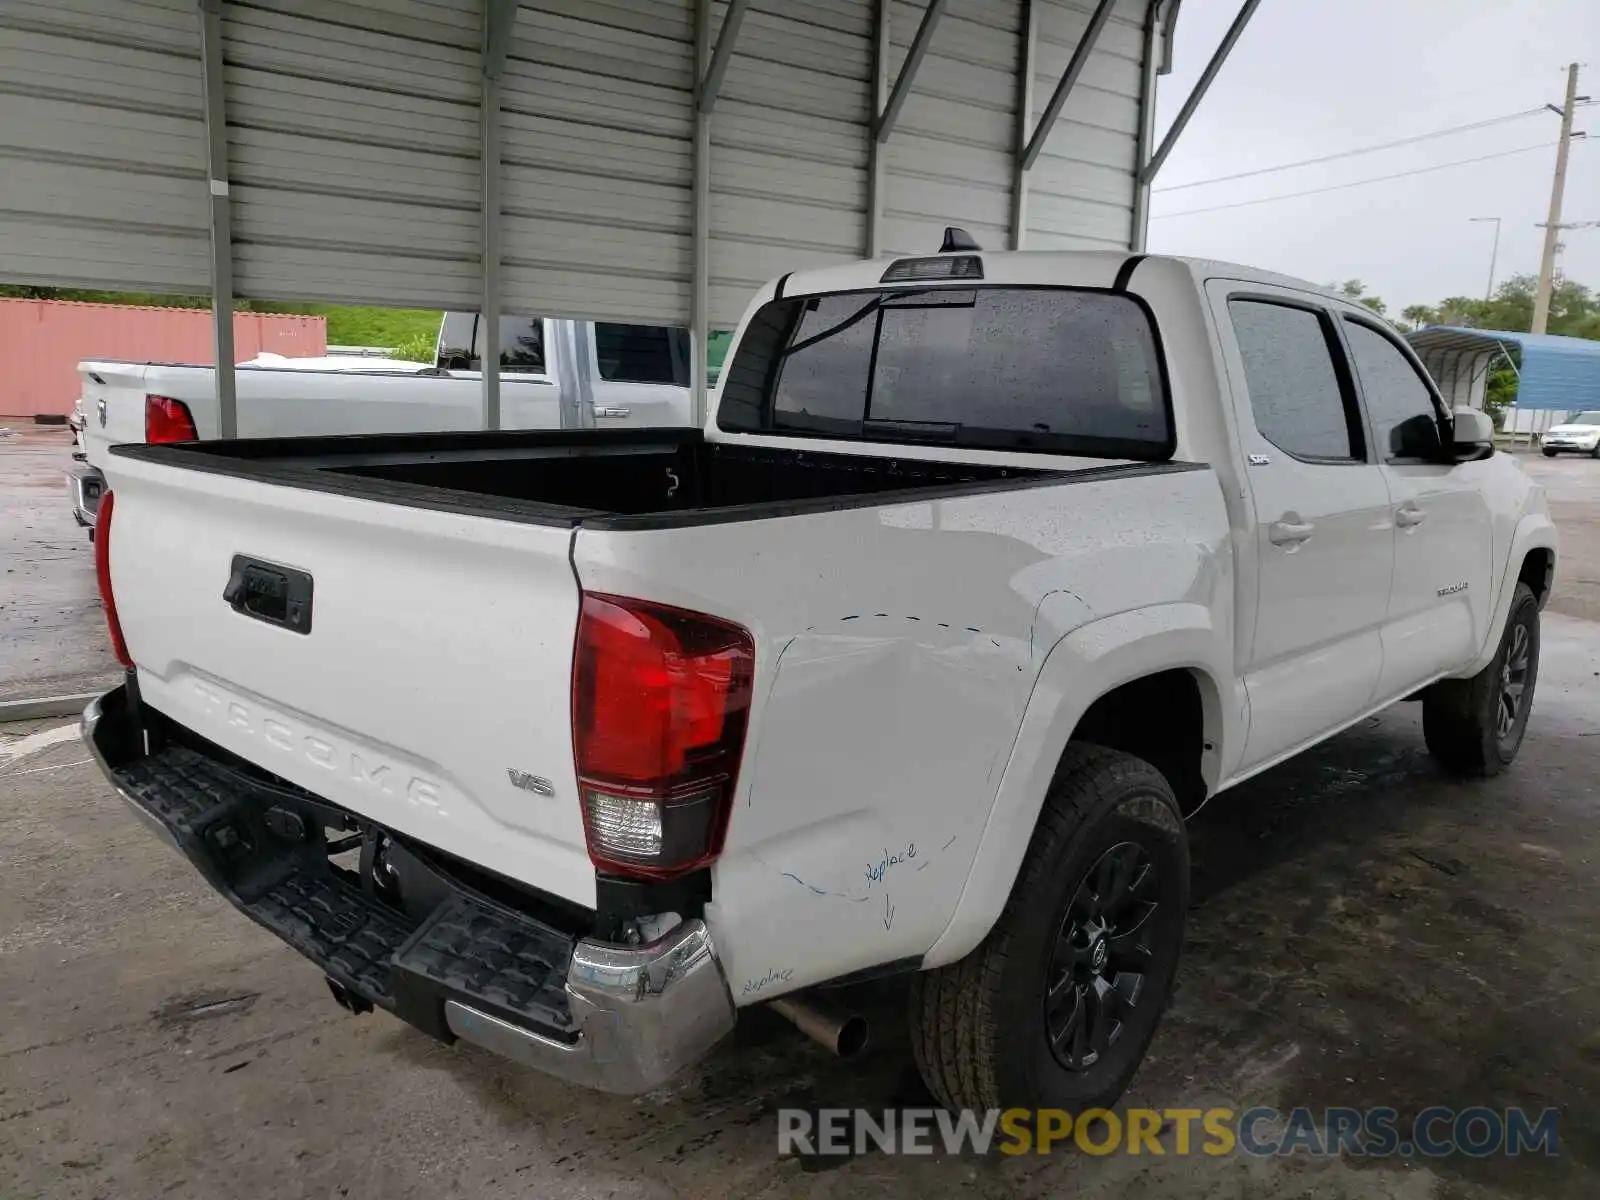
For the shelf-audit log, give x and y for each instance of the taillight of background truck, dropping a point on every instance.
(168, 420)
(659, 701)
(102, 574)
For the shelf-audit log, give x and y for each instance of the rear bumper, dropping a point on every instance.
(619, 1018)
(86, 485)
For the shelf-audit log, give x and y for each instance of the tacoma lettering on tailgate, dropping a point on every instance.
(365, 768)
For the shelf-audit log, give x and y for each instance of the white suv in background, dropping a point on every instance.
(1581, 434)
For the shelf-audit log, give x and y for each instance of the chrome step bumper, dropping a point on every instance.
(619, 1018)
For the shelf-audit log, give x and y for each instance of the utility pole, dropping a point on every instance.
(1552, 230)
(1494, 254)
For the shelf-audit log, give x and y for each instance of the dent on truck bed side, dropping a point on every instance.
(898, 647)
(1086, 664)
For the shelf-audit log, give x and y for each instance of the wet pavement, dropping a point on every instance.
(52, 636)
(1364, 933)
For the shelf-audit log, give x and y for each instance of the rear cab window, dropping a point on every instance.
(1053, 370)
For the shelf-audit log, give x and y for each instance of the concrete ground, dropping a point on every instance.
(52, 636)
(1572, 485)
(1364, 933)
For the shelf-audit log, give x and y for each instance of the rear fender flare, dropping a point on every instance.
(1535, 531)
(1082, 667)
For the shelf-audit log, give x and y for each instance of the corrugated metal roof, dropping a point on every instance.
(353, 143)
(1559, 373)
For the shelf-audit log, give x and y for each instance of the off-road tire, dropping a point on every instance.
(979, 1026)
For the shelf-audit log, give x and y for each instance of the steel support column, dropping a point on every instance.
(1207, 76)
(1069, 80)
(498, 16)
(886, 109)
(221, 216)
(1149, 69)
(1027, 53)
(875, 157)
(710, 67)
(700, 300)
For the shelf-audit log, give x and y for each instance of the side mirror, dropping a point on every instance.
(1419, 437)
(1474, 435)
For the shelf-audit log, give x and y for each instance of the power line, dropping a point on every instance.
(1339, 187)
(1407, 141)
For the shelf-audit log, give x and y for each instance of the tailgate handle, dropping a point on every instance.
(268, 592)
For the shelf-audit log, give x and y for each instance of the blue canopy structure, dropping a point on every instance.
(1559, 374)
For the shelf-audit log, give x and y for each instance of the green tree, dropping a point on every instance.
(1500, 389)
(1418, 315)
(1574, 308)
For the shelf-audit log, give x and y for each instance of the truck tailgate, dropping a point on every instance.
(112, 399)
(434, 668)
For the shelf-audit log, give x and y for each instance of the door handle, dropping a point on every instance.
(610, 412)
(1290, 531)
(1409, 515)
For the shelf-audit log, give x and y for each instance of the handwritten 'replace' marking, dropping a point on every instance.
(876, 871)
(776, 975)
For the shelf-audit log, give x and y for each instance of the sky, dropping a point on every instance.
(1313, 77)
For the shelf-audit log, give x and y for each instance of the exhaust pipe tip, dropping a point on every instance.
(844, 1034)
(853, 1036)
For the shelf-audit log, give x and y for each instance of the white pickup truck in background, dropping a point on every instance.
(555, 374)
(986, 572)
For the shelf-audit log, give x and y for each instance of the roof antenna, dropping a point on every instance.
(956, 238)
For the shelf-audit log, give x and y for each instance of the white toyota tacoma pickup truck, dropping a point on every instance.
(986, 572)
(555, 374)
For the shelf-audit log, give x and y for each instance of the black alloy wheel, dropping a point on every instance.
(1102, 955)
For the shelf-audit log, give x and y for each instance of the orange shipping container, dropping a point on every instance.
(42, 342)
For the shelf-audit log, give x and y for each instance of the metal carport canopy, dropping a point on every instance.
(1558, 374)
(628, 160)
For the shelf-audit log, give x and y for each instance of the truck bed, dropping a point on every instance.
(602, 479)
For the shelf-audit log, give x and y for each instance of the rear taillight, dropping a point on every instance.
(102, 574)
(659, 701)
(168, 420)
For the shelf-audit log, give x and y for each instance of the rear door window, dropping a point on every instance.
(1298, 401)
(1039, 369)
(641, 353)
(521, 345)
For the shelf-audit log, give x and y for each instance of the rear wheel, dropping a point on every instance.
(1549, 453)
(1058, 1004)
(1475, 726)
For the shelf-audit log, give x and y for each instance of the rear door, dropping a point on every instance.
(641, 374)
(1439, 604)
(1322, 536)
(530, 397)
